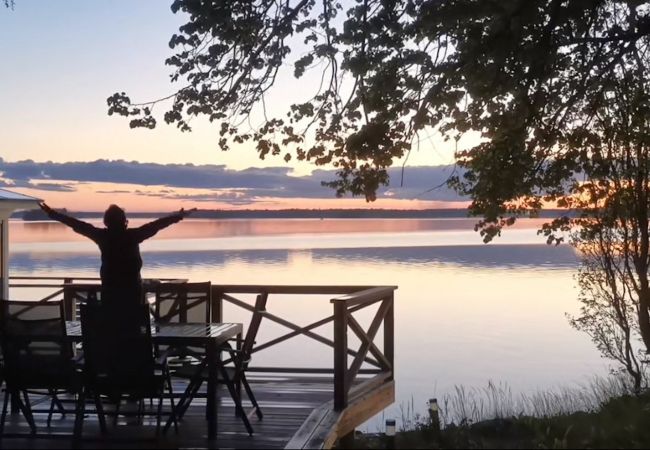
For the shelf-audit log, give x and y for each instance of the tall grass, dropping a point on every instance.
(465, 406)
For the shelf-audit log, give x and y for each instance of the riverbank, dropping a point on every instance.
(619, 422)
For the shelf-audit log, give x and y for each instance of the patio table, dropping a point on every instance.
(211, 335)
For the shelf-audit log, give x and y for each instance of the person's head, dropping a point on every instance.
(115, 218)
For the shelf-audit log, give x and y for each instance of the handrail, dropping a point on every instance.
(25, 285)
(291, 289)
(370, 295)
(82, 278)
(50, 278)
(71, 281)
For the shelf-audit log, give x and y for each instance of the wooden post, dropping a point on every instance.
(216, 306)
(434, 418)
(390, 433)
(68, 300)
(340, 355)
(389, 334)
(4, 256)
(182, 306)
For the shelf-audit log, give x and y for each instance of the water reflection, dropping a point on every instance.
(48, 231)
(181, 260)
(467, 256)
(243, 235)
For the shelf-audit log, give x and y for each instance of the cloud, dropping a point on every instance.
(52, 187)
(231, 197)
(213, 198)
(223, 184)
(42, 186)
(114, 191)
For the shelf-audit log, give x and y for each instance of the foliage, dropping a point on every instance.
(611, 231)
(609, 304)
(619, 422)
(230, 53)
(528, 75)
(556, 90)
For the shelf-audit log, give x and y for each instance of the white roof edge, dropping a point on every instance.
(11, 201)
(6, 195)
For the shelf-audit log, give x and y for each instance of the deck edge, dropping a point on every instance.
(324, 426)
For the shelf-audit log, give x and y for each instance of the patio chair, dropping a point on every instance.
(119, 361)
(240, 359)
(182, 302)
(37, 357)
(75, 294)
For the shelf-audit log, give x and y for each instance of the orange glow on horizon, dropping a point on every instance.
(139, 198)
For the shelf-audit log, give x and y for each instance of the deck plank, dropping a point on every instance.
(285, 401)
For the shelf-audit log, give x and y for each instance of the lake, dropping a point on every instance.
(466, 313)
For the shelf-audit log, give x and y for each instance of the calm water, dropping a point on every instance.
(466, 313)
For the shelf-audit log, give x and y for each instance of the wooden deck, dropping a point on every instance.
(309, 407)
(285, 400)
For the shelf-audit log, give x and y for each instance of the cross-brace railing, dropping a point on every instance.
(347, 384)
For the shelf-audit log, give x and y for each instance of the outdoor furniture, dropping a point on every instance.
(76, 294)
(239, 358)
(182, 302)
(211, 336)
(119, 361)
(37, 356)
(77, 291)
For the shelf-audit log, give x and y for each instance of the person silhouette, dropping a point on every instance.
(120, 250)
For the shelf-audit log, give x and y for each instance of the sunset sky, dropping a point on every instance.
(61, 60)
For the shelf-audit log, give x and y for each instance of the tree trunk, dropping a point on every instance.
(644, 316)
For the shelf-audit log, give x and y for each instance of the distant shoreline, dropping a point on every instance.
(458, 213)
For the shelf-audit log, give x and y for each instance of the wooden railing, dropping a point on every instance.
(350, 379)
(348, 386)
(72, 290)
(344, 374)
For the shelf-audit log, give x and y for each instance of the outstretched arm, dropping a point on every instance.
(149, 229)
(81, 227)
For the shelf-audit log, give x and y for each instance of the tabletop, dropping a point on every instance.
(181, 333)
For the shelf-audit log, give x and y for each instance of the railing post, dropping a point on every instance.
(216, 306)
(340, 355)
(182, 306)
(68, 300)
(389, 334)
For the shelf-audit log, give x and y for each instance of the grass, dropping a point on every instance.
(600, 414)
